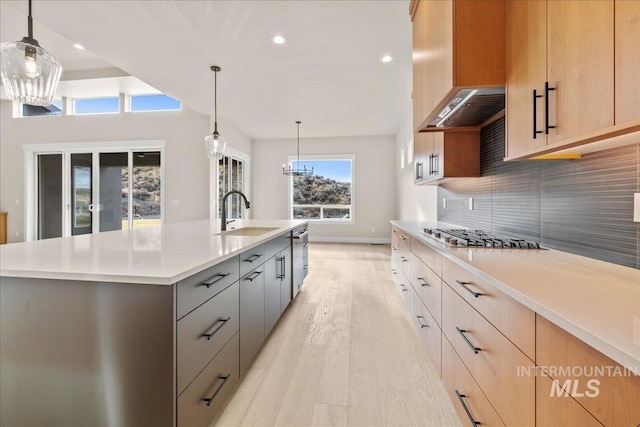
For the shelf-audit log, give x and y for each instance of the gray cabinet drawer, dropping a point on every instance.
(204, 332)
(252, 290)
(195, 290)
(276, 244)
(217, 382)
(250, 259)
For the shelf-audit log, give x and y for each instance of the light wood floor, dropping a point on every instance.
(345, 353)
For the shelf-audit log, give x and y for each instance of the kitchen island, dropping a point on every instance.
(147, 327)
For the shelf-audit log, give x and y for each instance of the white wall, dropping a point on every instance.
(374, 186)
(415, 202)
(186, 162)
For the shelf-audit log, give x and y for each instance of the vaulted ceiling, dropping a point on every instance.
(328, 74)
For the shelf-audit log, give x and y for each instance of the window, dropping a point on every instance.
(96, 105)
(154, 103)
(327, 195)
(231, 177)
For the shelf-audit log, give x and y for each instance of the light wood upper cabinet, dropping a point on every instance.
(456, 43)
(442, 155)
(526, 58)
(580, 67)
(627, 60)
(566, 46)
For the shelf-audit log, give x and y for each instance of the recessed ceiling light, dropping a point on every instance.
(387, 58)
(278, 40)
(78, 46)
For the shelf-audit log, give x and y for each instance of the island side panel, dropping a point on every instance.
(78, 353)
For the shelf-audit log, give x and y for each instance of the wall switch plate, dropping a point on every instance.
(444, 202)
(636, 207)
(470, 203)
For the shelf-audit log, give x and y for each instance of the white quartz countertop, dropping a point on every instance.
(596, 301)
(155, 255)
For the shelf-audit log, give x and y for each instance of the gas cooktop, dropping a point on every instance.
(478, 238)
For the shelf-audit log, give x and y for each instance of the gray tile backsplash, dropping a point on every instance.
(581, 206)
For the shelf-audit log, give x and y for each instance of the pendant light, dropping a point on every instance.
(30, 75)
(215, 142)
(290, 170)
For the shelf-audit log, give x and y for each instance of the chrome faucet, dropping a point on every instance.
(247, 205)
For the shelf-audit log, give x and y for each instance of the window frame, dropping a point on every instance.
(131, 97)
(326, 157)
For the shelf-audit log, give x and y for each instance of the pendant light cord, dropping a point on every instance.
(215, 100)
(30, 22)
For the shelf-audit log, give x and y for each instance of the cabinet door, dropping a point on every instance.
(251, 316)
(420, 80)
(273, 274)
(554, 410)
(580, 67)
(422, 148)
(627, 57)
(526, 58)
(285, 283)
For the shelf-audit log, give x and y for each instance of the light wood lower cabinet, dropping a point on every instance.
(468, 399)
(610, 393)
(428, 287)
(559, 411)
(428, 329)
(498, 308)
(494, 362)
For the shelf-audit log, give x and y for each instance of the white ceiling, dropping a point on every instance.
(328, 74)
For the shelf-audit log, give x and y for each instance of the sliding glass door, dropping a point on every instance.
(88, 192)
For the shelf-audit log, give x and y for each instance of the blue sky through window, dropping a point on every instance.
(339, 170)
(154, 103)
(96, 105)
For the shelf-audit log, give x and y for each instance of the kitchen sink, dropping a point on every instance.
(247, 231)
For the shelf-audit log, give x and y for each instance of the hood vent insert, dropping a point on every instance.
(469, 107)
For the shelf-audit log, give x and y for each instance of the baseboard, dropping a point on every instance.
(329, 239)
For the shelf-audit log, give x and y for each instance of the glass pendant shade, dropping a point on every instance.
(215, 144)
(30, 74)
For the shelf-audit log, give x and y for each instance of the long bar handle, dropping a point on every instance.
(461, 397)
(215, 279)
(222, 323)
(251, 279)
(464, 285)
(224, 379)
(281, 274)
(423, 282)
(547, 89)
(535, 114)
(253, 258)
(422, 325)
(301, 235)
(475, 349)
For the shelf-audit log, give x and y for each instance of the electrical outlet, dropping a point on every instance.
(444, 202)
(470, 203)
(636, 207)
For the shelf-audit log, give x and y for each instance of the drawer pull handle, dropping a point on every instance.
(461, 397)
(253, 276)
(394, 248)
(403, 237)
(253, 258)
(421, 324)
(464, 285)
(423, 282)
(222, 323)
(215, 279)
(404, 259)
(224, 379)
(404, 288)
(473, 347)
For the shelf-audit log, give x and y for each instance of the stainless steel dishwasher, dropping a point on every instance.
(300, 238)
